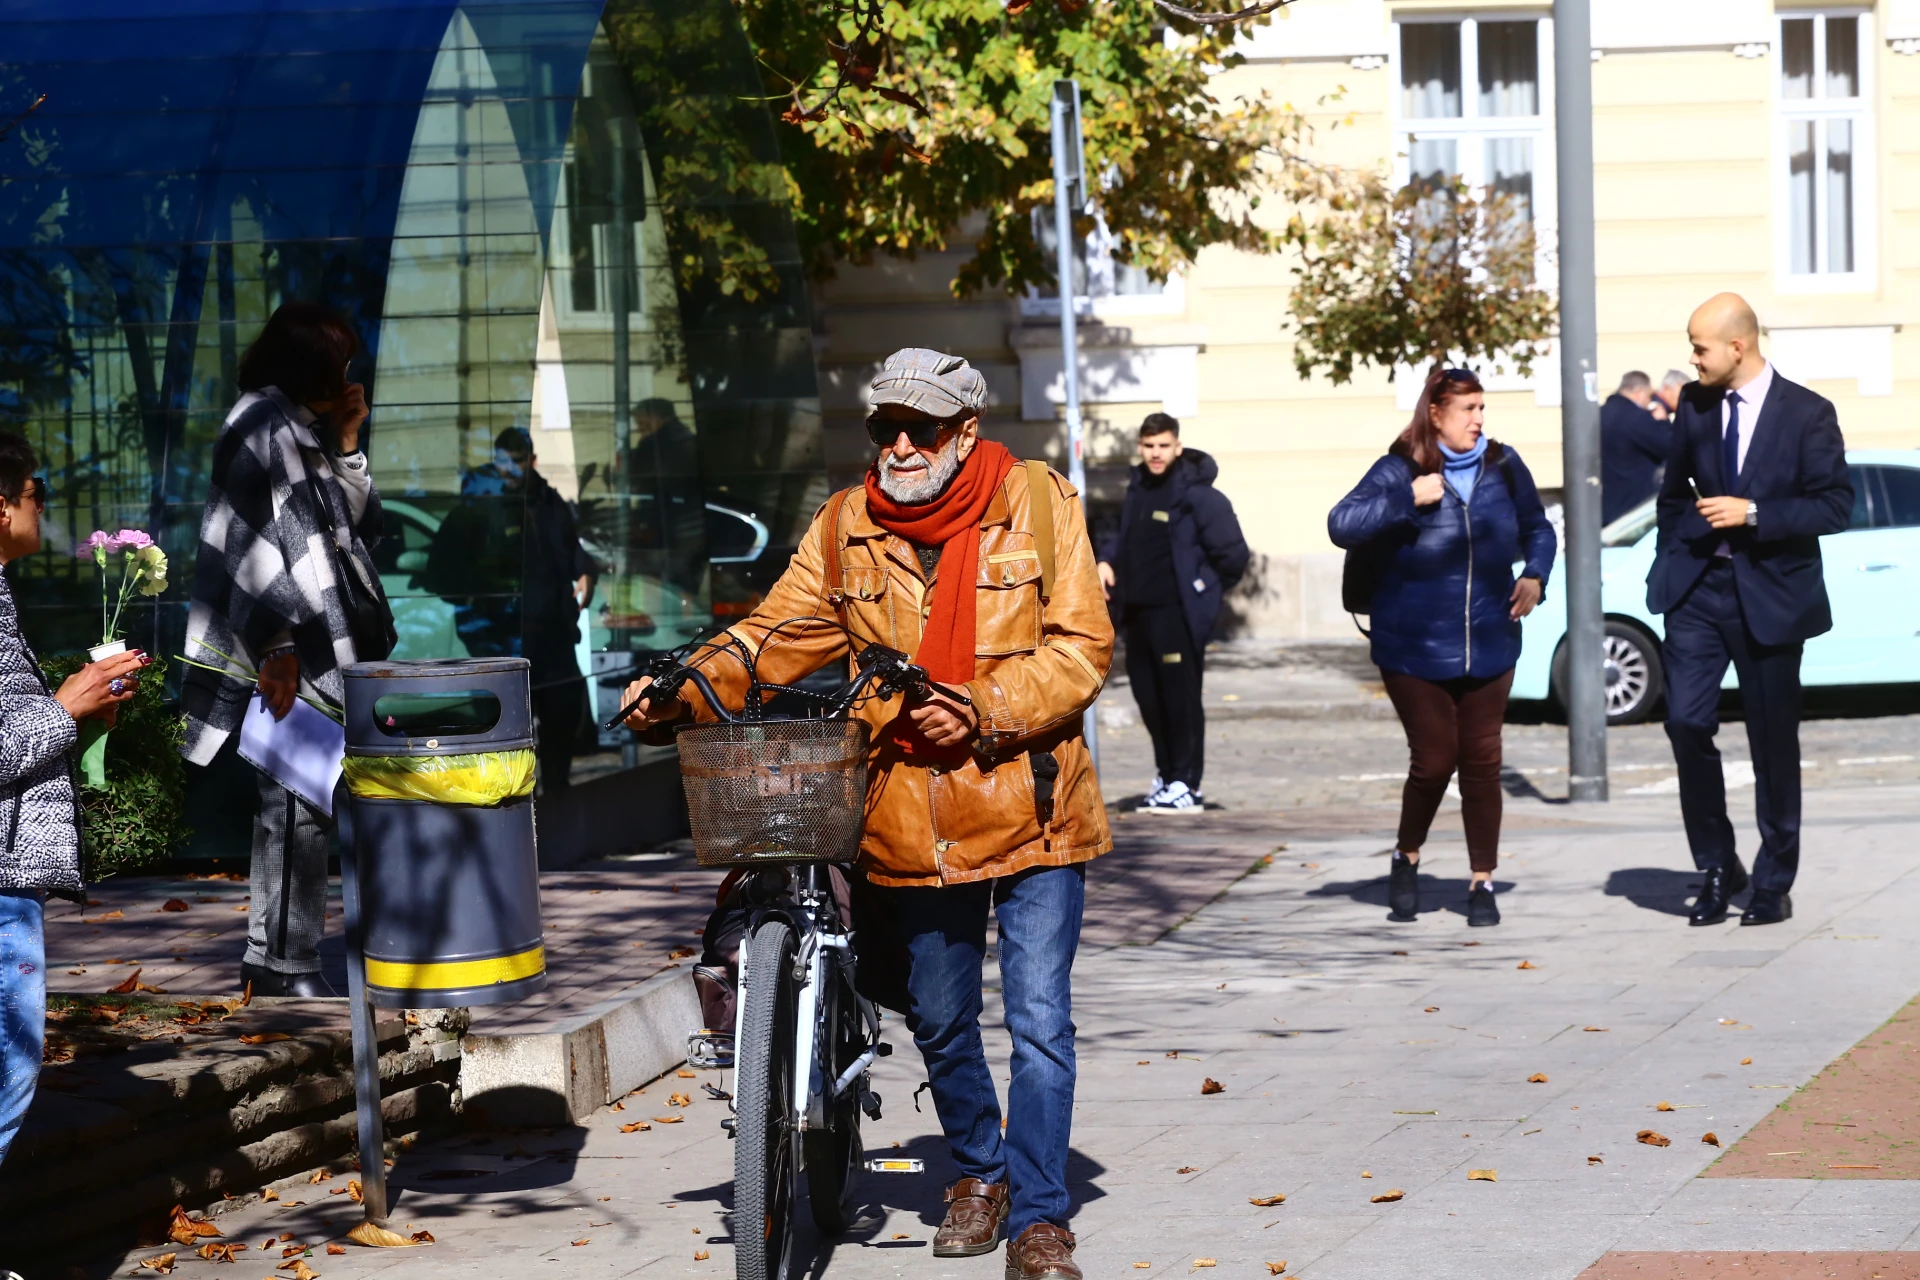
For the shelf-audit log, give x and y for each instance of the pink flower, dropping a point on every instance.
(131, 540)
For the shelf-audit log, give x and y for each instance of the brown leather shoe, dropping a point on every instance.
(976, 1211)
(1043, 1252)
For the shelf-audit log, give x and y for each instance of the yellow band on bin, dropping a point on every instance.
(485, 779)
(455, 975)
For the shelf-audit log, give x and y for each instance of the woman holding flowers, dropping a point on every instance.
(285, 594)
(39, 834)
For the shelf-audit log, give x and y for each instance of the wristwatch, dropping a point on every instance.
(1753, 515)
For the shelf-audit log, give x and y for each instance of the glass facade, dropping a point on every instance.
(555, 216)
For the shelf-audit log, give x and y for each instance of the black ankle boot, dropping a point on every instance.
(1482, 911)
(271, 982)
(1403, 890)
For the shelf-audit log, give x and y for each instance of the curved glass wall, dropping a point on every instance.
(508, 200)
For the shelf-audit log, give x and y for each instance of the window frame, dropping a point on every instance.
(1860, 112)
(1470, 131)
(1170, 301)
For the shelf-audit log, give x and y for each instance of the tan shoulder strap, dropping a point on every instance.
(830, 555)
(1040, 494)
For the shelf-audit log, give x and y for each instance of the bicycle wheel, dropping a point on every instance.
(763, 1172)
(834, 1153)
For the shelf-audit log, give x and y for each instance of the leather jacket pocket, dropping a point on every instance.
(1007, 604)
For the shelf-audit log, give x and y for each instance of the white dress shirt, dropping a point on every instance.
(1751, 397)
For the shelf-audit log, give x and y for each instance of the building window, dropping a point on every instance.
(1470, 105)
(1102, 285)
(1825, 123)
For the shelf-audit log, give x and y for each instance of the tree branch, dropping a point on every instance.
(1259, 10)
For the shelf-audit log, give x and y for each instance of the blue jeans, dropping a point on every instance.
(23, 1005)
(945, 930)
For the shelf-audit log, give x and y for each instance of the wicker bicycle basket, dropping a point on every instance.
(785, 791)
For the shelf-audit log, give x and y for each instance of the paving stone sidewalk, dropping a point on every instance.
(1348, 1046)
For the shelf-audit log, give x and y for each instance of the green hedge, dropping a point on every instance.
(140, 820)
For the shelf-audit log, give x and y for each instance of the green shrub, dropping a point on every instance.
(139, 821)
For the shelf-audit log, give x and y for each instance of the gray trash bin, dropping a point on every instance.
(439, 765)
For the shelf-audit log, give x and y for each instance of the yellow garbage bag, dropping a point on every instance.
(484, 779)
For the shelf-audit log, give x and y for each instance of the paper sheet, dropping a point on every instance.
(302, 752)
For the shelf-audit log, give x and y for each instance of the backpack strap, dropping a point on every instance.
(835, 573)
(1040, 494)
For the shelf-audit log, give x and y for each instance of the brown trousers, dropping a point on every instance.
(1452, 724)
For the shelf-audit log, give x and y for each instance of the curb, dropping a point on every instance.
(563, 1072)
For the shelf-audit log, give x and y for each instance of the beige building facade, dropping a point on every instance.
(1768, 148)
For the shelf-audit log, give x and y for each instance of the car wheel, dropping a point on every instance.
(1636, 678)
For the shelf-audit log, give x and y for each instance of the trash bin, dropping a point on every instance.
(439, 765)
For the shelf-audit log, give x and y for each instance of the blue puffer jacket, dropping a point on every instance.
(1440, 607)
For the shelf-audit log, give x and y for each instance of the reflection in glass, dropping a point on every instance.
(1430, 69)
(1901, 486)
(1801, 219)
(1510, 172)
(1839, 195)
(1796, 58)
(1843, 57)
(1509, 69)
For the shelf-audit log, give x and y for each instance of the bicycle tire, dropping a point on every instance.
(764, 1179)
(833, 1153)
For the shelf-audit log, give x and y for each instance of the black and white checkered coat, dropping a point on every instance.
(42, 839)
(263, 571)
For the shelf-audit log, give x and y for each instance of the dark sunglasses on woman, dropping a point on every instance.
(922, 433)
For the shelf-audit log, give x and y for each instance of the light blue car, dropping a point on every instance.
(1873, 580)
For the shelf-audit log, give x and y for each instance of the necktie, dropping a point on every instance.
(1730, 442)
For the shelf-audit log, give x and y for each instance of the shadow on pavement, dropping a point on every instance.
(1437, 893)
(1663, 889)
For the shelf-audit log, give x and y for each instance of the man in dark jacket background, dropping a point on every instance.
(1633, 447)
(1178, 551)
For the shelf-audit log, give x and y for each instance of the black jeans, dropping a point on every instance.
(1705, 632)
(1163, 666)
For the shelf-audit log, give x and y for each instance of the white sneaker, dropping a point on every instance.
(1174, 798)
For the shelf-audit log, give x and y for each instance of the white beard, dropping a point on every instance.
(941, 469)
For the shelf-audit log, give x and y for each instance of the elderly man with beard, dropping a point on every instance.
(982, 797)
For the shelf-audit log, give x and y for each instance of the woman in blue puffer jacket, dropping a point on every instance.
(1439, 524)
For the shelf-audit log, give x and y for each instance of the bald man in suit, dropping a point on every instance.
(1757, 475)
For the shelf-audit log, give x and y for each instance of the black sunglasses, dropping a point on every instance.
(922, 433)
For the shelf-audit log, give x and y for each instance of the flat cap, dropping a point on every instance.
(937, 384)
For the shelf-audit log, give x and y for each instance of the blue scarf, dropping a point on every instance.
(1463, 469)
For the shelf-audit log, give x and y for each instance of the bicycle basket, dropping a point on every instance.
(784, 791)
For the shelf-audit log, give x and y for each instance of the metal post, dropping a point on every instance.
(1580, 401)
(365, 1022)
(1069, 197)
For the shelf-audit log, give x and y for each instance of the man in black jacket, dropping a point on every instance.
(1757, 474)
(1633, 448)
(1177, 552)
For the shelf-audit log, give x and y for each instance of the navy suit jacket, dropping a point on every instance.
(1796, 470)
(1633, 445)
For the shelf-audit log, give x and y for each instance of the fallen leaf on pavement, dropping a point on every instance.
(336, 1249)
(1143, 1063)
(1593, 1028)
(1483, 1175)
(422, 1237)
(294, 1250)
(618, 1106)
(1366, 1173)
(1526, 964)
(1432, 1008)
(242, 907)
(679, 1100)
(173, 904)
(668, 1119)
(1266, 1202)
(319, 1175)
(1204, 1262)
(1663, 1106)
(162, 1263)
(1711, 1138)
(355, 1190)
(285, 1236)
(1746, 1062)
(299, 1268)
(699, 1255)
(1186, 1168)
(1210, 1085)
(269, 1194)
(265, 1037)
(1388, 1197)
(220, 1252)
(1538, 1077)
(126, 988)
(1275, 1268)
(1595, 1160)
(1142, 1266)
(375, 1236)
(638, 1126)
(110, 915)
(1653, 1139)
(185, 1230)
(901, 1235)
(687, 1075)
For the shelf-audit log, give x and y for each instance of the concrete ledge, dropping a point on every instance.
(564, 1071)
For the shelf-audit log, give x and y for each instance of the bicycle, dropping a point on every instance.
(785, 798)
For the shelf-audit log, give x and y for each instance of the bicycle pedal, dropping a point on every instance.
(710, 1049)
(870, 1103)
(718, 1095)
(883, 1050)
(727, 1123)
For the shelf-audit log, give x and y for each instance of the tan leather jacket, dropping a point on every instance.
(1038, 666)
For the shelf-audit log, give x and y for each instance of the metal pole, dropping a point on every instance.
(364, 1019)
(1580, 401)
(1069, 187)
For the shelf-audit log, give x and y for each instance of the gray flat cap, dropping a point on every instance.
(938, 385)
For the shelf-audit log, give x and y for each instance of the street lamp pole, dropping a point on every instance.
(1580, 401)
(1069, 198)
